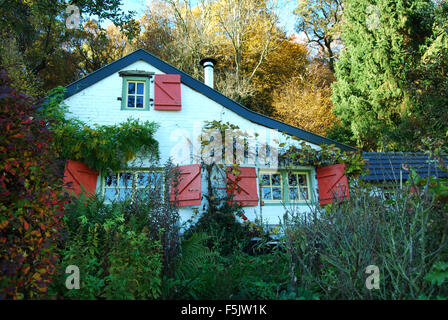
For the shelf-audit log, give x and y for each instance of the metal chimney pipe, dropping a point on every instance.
(208, 64)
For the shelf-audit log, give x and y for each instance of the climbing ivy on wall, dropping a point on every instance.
(107, 146)
(325, 156)
(291, 155)
(100, 146)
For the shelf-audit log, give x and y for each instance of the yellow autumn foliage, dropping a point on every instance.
(304, 101)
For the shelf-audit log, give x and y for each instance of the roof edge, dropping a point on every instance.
(141, 54)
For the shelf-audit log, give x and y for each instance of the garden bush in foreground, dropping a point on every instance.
(31, 197)
(405, 236)
(123, 249)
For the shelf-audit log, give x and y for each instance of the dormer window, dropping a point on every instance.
(136, 90)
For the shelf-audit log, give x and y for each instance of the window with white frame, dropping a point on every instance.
(284, 186)
(124, 185)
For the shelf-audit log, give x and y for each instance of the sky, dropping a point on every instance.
(287, 19)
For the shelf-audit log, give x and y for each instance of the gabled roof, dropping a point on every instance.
(197, 85)
(386, 166)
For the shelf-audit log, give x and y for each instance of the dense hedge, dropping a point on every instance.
(31, 197)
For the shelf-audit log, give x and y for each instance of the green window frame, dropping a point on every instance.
(294, 184)
(122, 185)
(132, 93)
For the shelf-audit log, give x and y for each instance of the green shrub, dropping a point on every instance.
(123, 250)
(405, 236)
(233, 276)
(117, 257)
(438, 277)
(226, 233)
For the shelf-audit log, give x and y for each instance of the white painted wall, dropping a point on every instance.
(98, 104)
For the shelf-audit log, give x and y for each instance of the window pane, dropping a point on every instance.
(156, 179)
(139, 102)
(131, 87)
(292, 179)
(140, 88)
(265, 180)
(293, 194)
(276, 194)
(141, 193)
(111, 180)
(304, 193)
(143, 179)
(302, 179)
(149, 179)
(266, 193)
(110, 194)
(125, 179)
(275, 179)
(124, 194)
(131, 102)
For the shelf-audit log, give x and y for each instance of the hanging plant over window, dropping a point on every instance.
(101, 146)
(327, 155)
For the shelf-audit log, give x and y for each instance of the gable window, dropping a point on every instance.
(126, 185)
(135, 94)
(136, 90)
(284, 186)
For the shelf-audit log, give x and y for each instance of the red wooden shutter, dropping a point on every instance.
(189, 188)
(248, 194)
(80, 175)
(332, 183)
(167, 92)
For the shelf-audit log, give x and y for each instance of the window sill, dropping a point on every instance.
(276, 204)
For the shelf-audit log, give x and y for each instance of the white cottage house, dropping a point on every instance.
(144, 87)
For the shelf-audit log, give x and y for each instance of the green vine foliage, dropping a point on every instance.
(327, 155)
(291, 156)
(100, 146)
(107, 146)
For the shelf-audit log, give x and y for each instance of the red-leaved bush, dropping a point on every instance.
(31, 197)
